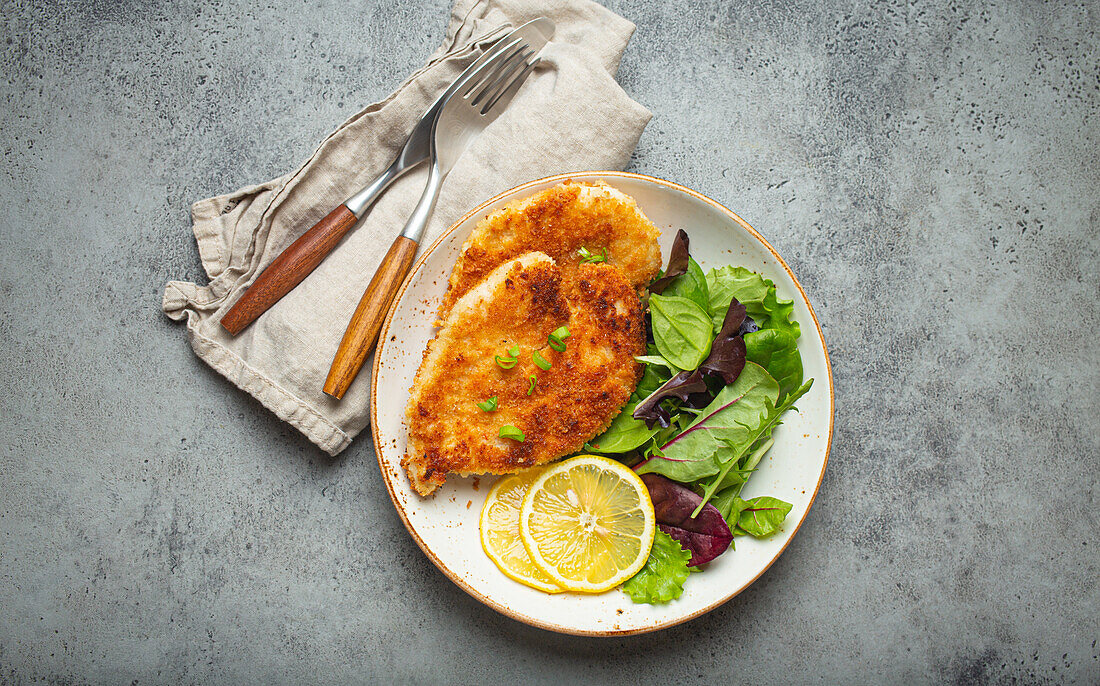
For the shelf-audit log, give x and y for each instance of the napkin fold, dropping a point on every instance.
(570, 115)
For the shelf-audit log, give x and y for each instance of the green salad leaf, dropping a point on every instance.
(681, 330)
(691, 285)
(657, 361)
(735, 476)
(652, 378)
(759, 449)
(761, 516)
(739, 474)
(624, 434)
(757, 294)
(779, 313)
(663, 576)
(777, 351)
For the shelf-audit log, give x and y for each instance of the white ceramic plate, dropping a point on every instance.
(446, 525)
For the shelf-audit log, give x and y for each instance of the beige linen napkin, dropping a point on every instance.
(569, 116)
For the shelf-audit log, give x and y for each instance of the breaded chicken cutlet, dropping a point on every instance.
(518, 305)
(559, 221)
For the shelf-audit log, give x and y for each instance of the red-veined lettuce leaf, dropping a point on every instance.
(722, 432)
(706, 535)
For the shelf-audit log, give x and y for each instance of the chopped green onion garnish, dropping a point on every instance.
(587, 256)
(509, 431)
(489, 405)
(508, 361)
(534, 380)
(540, 361)
(556, 339)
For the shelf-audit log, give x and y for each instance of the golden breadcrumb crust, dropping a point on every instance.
(558, 222)
(520, 304)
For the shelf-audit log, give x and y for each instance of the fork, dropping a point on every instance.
(297, 261)
(475, 104)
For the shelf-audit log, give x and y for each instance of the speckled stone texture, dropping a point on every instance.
(929, 171)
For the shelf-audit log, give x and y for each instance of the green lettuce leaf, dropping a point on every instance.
(761, 516)
(759, 449)
(658, 361)
(681, 330)
(653, 377)
(691, 285)
(725, 500)
(757, 294)
(663, 576)
(624, 434)
(735, 476)
(777, 351)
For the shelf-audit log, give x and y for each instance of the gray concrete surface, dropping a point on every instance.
(929, 170)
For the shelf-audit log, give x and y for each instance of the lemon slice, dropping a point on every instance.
(588, 523)
(500, 532)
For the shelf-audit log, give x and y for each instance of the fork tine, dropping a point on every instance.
(503, 69)
(493, 89)
(492, 61)
(509, 90)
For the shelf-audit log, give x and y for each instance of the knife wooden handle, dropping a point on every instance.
(363, 329)
(289, 269)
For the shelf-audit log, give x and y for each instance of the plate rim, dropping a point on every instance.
(383, 335)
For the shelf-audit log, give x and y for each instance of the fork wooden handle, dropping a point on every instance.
(362, 331)
(289, 269)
